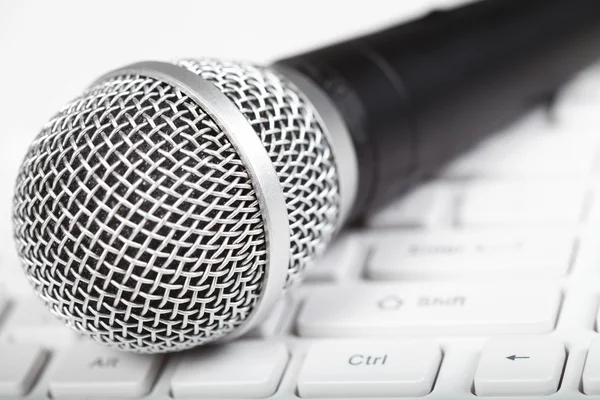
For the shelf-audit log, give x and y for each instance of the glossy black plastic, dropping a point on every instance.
(416, 95)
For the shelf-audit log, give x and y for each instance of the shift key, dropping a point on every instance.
(433, 309)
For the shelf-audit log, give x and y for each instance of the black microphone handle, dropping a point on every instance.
(416, 95)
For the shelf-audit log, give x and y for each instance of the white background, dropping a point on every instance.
(51, 50)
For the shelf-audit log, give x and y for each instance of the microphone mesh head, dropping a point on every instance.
(137, 221)
(296, 143)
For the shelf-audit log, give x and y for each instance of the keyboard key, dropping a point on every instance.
(580, 117)
(3, 307)
(591, 372)
(238, 369)
(369, 369)
(446, 256)
(13, 281)
(577, 106)
(91, 369)
(20, 366)
(271, 325)
(520, 367)
(594, 209)
(511, 157)
(32, 322)
(432, 309)
(525, 203)
(425, 206)
(347, 253)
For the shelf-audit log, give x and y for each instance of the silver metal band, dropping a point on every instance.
(337, 134)
(257, 162)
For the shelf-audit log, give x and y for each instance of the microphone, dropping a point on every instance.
(171, 204)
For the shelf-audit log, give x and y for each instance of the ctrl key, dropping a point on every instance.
(370, 369)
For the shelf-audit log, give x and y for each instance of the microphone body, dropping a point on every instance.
(416, 95)
(172, 204)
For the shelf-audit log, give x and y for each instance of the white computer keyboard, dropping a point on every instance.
(482, 282)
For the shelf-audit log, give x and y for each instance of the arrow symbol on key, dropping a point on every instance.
(514, 357)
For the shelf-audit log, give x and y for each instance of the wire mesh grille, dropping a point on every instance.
(136, 220)
(294, 138)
